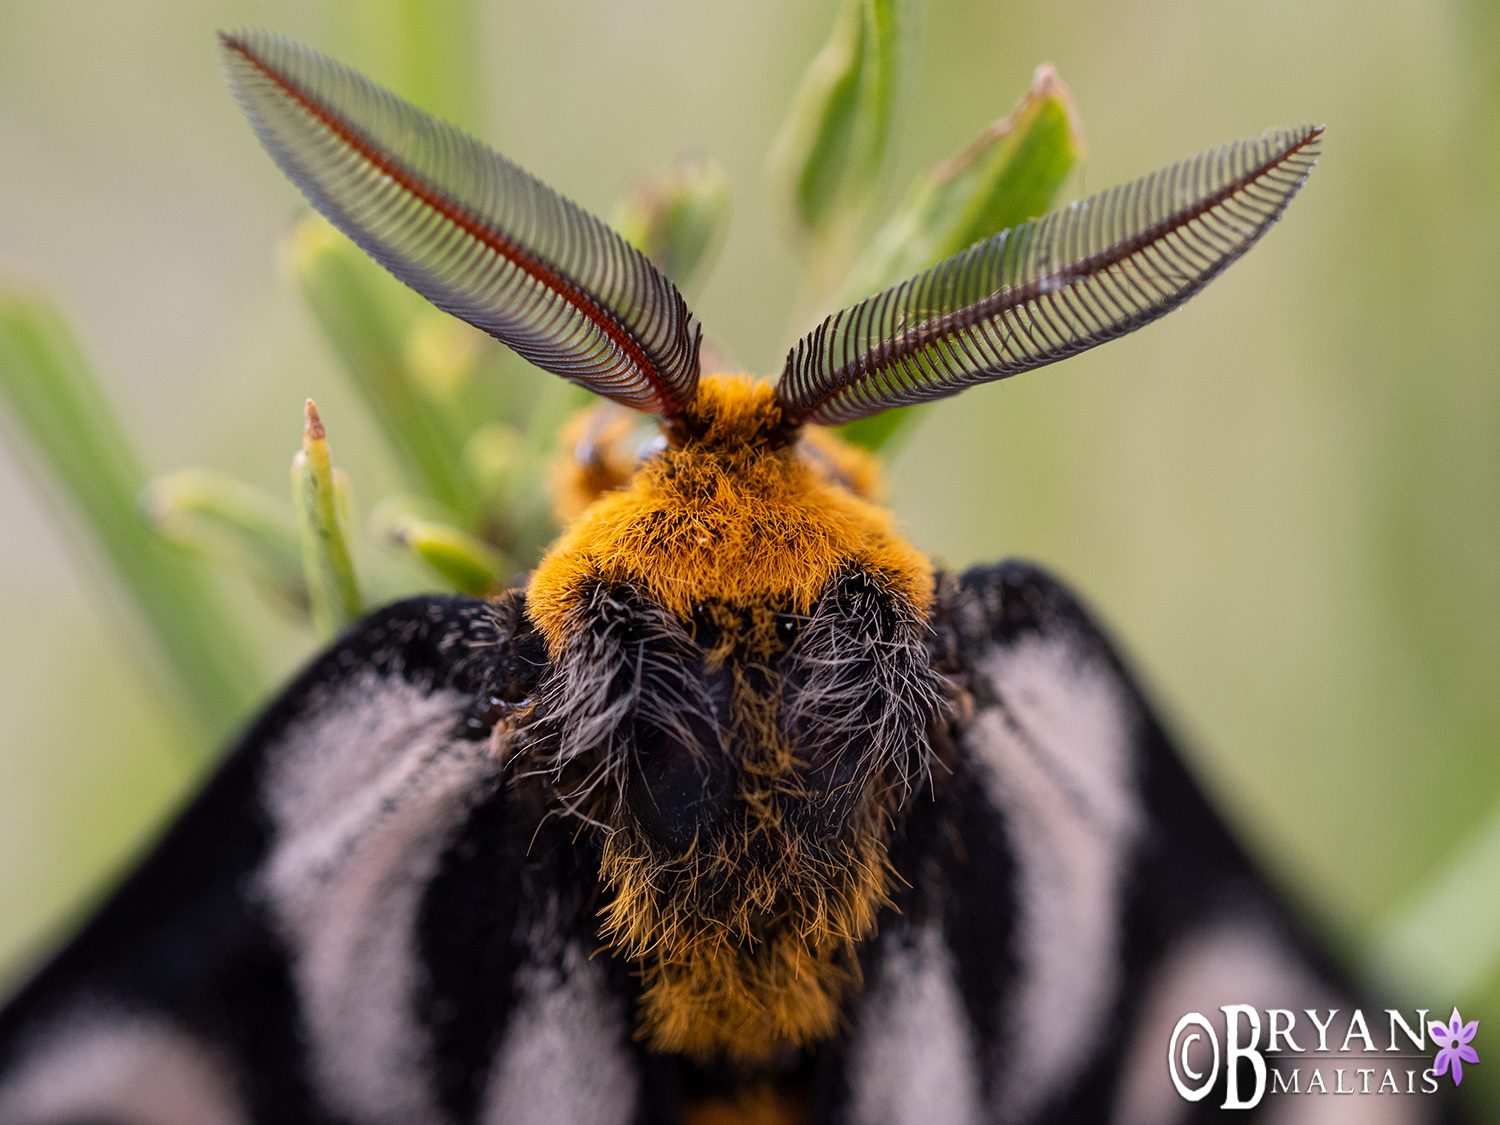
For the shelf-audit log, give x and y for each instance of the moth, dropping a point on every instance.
(736, 810)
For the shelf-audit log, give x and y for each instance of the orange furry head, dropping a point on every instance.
(731, 512)
(739, 698)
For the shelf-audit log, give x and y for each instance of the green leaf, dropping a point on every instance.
(442, 353)
(425, 50)
(883, 432)
(465, 563)
(370, 319)
(59, 406)
(1445, 941)
(512, 470)
(235, 524)
(496, 455)
(321, 501)
(825, 162)
(1013, 172)
(679, 219)
(471, 566)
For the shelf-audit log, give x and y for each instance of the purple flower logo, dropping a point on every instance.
(1454, 1038)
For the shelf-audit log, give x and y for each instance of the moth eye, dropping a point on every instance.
(787, 628)
(675, 789)
(705, 630)
(650, 447)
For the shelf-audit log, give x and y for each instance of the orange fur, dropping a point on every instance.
(744, 958)
(756, 1105)
(727, 518)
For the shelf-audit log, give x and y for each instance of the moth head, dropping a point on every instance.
(739, 697)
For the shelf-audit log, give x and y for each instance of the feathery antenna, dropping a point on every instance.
(473, 233)
(1050, 288)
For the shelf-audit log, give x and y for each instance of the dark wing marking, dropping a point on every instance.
(1051, 288)
(467, 229)
(1064, 888)
(278, 926)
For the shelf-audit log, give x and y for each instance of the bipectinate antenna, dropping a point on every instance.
(466, 228)
(1049, 288)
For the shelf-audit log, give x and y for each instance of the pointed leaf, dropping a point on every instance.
(826, 160)
(465, 563)
(1012, 172)
(322, 519)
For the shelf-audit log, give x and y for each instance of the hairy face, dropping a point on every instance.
(741, 769)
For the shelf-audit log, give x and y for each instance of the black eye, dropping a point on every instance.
(706, 630)
(676, 789)
(786, 628)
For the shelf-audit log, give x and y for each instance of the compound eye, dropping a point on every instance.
(649, 446)
(676, 788)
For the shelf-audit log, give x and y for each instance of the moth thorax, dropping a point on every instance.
(739, 701)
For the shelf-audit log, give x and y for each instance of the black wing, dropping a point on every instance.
(359, 920)
(1068, 894)
(354, 921)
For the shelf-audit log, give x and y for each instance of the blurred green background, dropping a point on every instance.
(1284, 499)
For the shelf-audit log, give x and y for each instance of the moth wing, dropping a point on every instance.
(1067, 893)
(315, 937)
